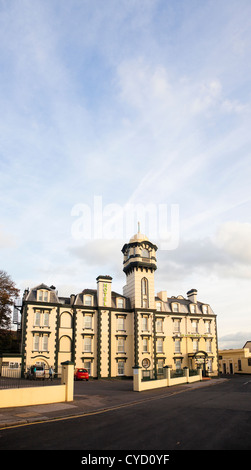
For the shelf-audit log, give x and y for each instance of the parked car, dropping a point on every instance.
(81, 374)
(36, 372)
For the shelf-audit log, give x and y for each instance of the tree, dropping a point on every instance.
(8, 293)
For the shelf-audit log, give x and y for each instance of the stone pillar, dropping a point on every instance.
(67, 379)
(136, 378)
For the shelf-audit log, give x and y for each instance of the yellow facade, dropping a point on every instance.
(235, 361)
(110, 333)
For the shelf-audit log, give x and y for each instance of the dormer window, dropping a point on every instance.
(158, 306)
(205, 309)
(175, 307)
(192, 308)
(42, 296)
(120, 303)
(88, 300)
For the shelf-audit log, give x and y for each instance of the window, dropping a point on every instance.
(145, 324)
(120, 303)
(37, 318)
(87, 344)
(144, 292)
(36, 343)
(177, 346)
(41, 318)
(145, 253)
(192, 308)
(45, 343)
(42, 295)
(145, 345)
(121, 368)
(176, 326)
(178, 364)
(88, 321)
(159, 345)
(160, 365)
(205, 309)
(158, 306)
(46, 318)
(159, 325)
(88, 300)
(207, 327)
(175, 307)
(121, 323)
(121, 345)
(87, 366)
(195, 345)
(194, 326)
(14, 365)
(208, 346)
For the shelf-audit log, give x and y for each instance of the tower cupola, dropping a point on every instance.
(139, 265)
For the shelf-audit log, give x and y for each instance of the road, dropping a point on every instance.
(210, 418)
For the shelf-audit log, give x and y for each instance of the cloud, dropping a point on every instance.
(235, 239)
(234, 340)
(225, 255)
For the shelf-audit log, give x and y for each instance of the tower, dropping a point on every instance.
(139, 266)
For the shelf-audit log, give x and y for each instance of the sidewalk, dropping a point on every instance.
(92, 397)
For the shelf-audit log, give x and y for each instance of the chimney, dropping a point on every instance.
(192, 295)
(162, 295)
(104, 291)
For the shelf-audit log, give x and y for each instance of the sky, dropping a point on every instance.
(119, 111)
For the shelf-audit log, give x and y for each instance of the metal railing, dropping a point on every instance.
(152, 375)
(12, 378)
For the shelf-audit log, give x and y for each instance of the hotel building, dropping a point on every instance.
(109, 333)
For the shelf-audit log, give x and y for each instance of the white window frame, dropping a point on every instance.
(88, 322)
(194, 326)
(121, 345)
(45, 341)
(87, 346)
(121, 367)
(87, 366)
(192, 308)
(208, 346)
(121, 324)
(175, 307)
(177, 346)
(144, 323)
(42, 295)
(207, 327)
(159, 345)
(145, 344)
(176, 326)
(36, 341)
(159, 325)
(88, 300)
(195, 345)
(120, 302)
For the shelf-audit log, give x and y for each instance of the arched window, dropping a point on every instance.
(145, 253)
(144, 292)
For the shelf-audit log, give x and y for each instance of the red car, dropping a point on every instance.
(81, 374)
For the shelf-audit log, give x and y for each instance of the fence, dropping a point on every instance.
(12, 377)
(150, 380)
(22, 395)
